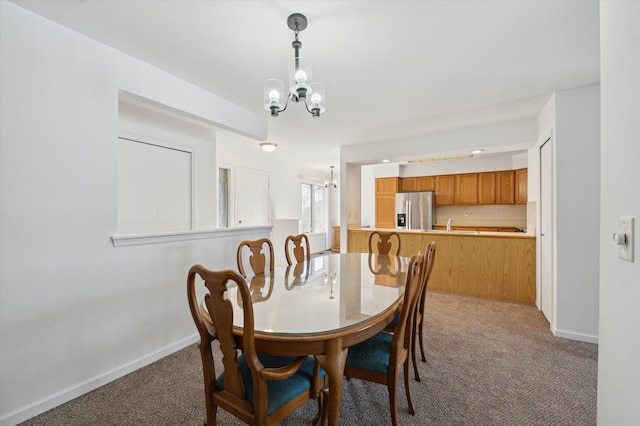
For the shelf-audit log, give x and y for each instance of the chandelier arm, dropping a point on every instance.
(314, 112)
(285, 104)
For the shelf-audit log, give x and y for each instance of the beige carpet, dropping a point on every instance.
(489, 363)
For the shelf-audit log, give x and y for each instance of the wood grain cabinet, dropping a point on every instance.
(386, 189)
(425, 183)
(521, 191)
(445, 190)
(505, 187)
(335, 247)
(467, 189)
(408, 184)
(487, 188)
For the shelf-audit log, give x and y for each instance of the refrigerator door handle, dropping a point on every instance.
(409, 212)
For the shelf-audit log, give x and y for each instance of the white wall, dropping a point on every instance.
(572, 119)
(76, 311)
(619, 348)
(284, 180)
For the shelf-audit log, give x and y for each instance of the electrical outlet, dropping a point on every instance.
(466, 212)
(624, 238)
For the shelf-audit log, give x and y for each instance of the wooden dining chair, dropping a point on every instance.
(380, 358)
(430, 255)
(256, 388)
(384, 242)
(429, 258)
(257, 259)
(294, 243)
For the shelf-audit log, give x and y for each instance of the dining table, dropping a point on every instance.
(321, 307)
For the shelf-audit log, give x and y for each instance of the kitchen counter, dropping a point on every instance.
(498, 265)
(500, 234)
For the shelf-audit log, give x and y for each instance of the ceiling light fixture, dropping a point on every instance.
(268, 146)
(332, 182)
(451, 157)
(476, 151)
(386, 160)
(300, 87)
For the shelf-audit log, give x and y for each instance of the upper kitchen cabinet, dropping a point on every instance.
(445, 190)
(521, 191)
(466, 189)
(408, 184)
(425, 183)
(505, 187)
(487, 188)
(417, 184)
(386, 189)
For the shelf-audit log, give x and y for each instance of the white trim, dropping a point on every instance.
(589, 338)
(66, 395)
(167, 237)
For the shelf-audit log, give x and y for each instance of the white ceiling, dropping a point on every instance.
(392, 69)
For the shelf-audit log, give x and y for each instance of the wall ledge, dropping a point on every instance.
(125, 240)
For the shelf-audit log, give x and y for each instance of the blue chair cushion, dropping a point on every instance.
(279, 391)
(372, 354)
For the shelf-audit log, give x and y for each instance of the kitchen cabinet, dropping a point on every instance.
(521, 191)
(335, 247)
(505, 187)
(487, 188)
(408, 184)
(425, 183)
(386, 189)
(499, 266)
(445, 190)
(466, 189)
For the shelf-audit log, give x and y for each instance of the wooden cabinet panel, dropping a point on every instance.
(445, 190)
(425, 183)
(498, 267)
(408, 184)
(505, 187)
(487, 188)
(467, 189)
(522, 194)
(335, 247)
(386, 211)
(387, 185)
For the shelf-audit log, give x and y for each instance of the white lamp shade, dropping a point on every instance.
(300, 77)
(316, 96)
(273, 94)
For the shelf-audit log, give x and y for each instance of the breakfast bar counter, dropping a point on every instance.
(497, 265)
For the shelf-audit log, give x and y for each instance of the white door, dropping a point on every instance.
(252, 198)
(546, 231)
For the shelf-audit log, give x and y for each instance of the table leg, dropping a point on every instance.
(333, 361)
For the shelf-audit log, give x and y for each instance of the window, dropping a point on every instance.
(313, 208)
(223, 197)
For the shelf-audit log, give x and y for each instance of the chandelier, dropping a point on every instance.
(301, 89)
(332, 182)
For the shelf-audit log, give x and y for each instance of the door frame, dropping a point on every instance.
(546, 234)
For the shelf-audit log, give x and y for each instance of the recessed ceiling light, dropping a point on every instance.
(386, 160)
(476, 151)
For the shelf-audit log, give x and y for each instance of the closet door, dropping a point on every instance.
(252, 198)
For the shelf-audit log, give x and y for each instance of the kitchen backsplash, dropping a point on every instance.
(489, 215)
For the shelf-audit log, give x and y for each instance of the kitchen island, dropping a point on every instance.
(497, 265)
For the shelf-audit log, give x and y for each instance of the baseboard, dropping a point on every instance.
(45, 404)
(589, 338)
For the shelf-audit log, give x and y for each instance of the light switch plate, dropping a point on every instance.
(625, 227)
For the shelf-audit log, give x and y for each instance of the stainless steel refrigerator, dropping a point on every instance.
(414, 210)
